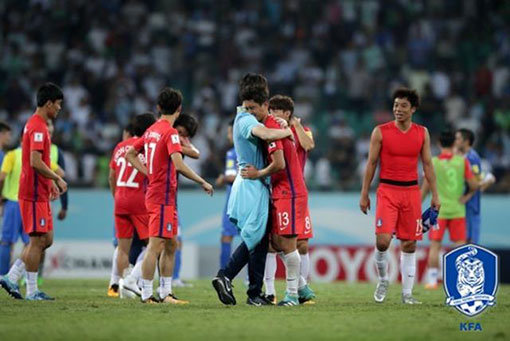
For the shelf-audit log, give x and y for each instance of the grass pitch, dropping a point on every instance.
(342, 311)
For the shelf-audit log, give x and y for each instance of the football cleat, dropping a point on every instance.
(39, 296)
(305, 294)
(150, 300)
(128, 288)
(271, 298)
(113, 290)
(289, 300)
(258, 301)
(409, 299)
(381, 290)
(173, 300)
(223, 288)
(11, 288)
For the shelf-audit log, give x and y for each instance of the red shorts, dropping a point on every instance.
(398, 212)
(163, 220)
(36, 216)
(125, 225)
(291, 216)
(456, 226)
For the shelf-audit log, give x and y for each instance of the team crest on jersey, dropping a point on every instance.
(42, 222)
(38, 137)
(470, 275)
(175, 138)
(379, 222)
(169, 227)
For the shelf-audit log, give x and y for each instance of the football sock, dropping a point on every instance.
(226, 249)
(305, 265)
(177, 264)
(31, 283)
(408, 271)
(17, 270)
(431, 276)
(292, 265)
(381, 263)
(5, 257)
(269, 273)
(165, 286)
(136, 273)
(146, 289)
(114, 278)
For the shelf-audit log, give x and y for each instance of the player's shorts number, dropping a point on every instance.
(122, 163)
(283, 218)
(150, 148)
(308, 224)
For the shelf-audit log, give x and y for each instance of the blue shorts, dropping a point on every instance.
(12, 226)
(473, 222)
(228, 228)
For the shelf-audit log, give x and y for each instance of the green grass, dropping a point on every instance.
(343, 311)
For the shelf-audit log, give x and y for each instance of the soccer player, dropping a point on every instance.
(187, 126)
(229, 230)
(290, 215)
(128, 190)
(5, 138)
(464, 140)
(163, 157)
(38, 184)
(248, 206)
(283, 107)
(398, 145)
(451, 172)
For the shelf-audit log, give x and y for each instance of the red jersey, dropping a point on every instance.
(400, 151)
(287, 183)
(160, 141)
(130, 184)
(301, 152)
(32, 185)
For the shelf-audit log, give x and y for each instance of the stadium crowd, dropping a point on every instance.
(339, 60)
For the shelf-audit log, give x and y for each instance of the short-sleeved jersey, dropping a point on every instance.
(11, 166)
(131, 185)
(400, 151)
(301, 152)
(159, 142)
(33, 186)
(289, 182)
(451, 173)
(473, 205)
(249, 148)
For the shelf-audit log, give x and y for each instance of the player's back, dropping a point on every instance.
(450, 174)
(131, 185)
(160, 141)
(289, 182)
(400, 152)
(34, 186)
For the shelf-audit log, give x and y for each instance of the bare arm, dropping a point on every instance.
(38, 164)
(182, 168)
(112, 182)
(191, 151)
(277, 164)
(428, 169)
(373, 159)
(132, 157)
(305, 140)
(268, 134)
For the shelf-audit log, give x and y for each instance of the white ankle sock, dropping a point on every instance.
(381, 263)
(115, 276)
(146, 288)
(31, 283)
(408, 271)
(305, 266)
(165, 286)
(292, 265)
(269, 273)
(16, 271)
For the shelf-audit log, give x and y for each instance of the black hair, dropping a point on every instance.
(142, 122)
(189, 122)
(169, 100)
(410, 94)
(468, 135)
(48, 92)
(130, 128)
(4, 127)
(281, 102)
(447, 139)
(254, 87)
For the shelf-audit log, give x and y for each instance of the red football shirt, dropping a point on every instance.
(32, 185)
(301, 152)
(130, 184)
(289, 182)
(159, 142)
(400, 151)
